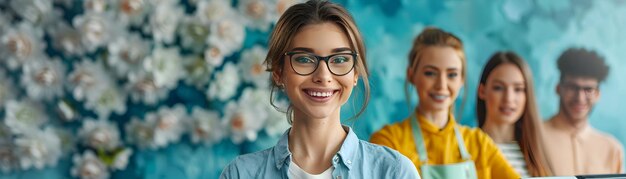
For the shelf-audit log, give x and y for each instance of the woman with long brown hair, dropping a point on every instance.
(316, 56)
(507, 112)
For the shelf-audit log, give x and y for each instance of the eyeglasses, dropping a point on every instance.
(305, 63)
(573, 88)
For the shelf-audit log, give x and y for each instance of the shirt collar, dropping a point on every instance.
(281, 150)
(345, 154)
(563, 125)
(432, 128)
(348, 148)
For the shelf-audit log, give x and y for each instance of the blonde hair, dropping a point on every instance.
(308, 13)
(433, 37)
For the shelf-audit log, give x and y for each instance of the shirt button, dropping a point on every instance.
(335, 159)
(349, 162)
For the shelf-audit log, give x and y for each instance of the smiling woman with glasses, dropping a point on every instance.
(316, 57)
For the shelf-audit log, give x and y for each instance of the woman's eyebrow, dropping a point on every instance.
(302, 49)
(342, 49)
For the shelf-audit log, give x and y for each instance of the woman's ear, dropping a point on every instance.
(409, 75)
(481, 91)
(276, 76)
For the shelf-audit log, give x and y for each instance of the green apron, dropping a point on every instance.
(462, 170)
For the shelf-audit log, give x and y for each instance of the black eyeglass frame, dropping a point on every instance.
(320, 58)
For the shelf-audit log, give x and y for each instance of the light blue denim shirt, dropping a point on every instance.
(356, 159)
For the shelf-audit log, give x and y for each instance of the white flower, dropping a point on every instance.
(87, 78)
(126, 54)
(252, 67)
(283, 5)
(96, 29)
(164, 21)
(43, 79)
(24, 116)
(131, 11)
(198, 71)
(88, 166)
(214, 55)
(141, 133)
(259, 14)
(276, 120)
(67, 39)
(143, 89)
(6, 89)
(227, 34)
(210, 11)
(169, 124)
(99, 134)
(38, 148)
(34, 11)
(206, 126)
(159, 129)
(21, 44)
(120, 160)
(225, 84)
(107, 100)
(89, 82)
(246, 117)
(165, 66)
(193, 34)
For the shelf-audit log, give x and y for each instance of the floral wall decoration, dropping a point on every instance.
(88, 87)
(177, 88)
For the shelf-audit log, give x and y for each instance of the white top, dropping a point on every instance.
(514, 155)
(296, 172)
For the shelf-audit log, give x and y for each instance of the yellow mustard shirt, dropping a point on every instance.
(442, 146)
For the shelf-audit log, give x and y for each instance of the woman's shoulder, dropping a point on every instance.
(253, 157)
(247, 165)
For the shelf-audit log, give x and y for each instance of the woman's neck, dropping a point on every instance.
(313, 142)
(437, 117)
(499, 132)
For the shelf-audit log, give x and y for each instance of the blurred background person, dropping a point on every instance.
(430, 137)
(573, 146)
(507, 111)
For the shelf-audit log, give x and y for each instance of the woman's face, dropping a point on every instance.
(317, 93)
(504, 94)
(437, 77)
